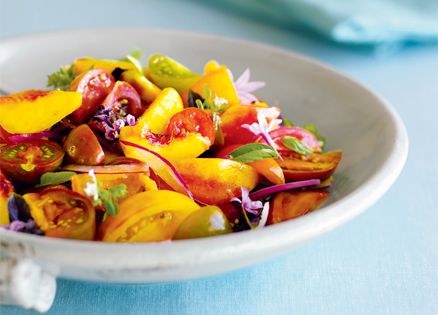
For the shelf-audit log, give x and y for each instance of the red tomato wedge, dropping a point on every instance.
(94, 85)
(123, 94)
(191, 120)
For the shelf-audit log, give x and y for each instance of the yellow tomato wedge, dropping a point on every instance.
(148, 217)
(6, 190)
(81, 65)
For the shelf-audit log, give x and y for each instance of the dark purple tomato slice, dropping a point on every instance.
(82, 146)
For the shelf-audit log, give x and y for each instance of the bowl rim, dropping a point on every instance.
(305, 228)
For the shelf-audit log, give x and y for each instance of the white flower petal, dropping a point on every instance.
(263, 216)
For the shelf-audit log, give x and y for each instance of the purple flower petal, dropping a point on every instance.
(252, 86)
(244, 88)
(244, 78)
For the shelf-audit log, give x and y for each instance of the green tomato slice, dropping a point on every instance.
(205, 222)
(166, 72)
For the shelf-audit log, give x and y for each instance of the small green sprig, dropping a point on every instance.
(134, 58)
(108, 198)
(62, 79)
(211, 101)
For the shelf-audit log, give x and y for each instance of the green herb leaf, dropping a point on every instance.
(109, 198)
(134, 58)
(253, 152)
(211, 101)
(55, 178)
(296, 145)
(287, 122)
(62, 79)
(312, 128)
(199, 104)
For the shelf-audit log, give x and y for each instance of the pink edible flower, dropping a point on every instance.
(262, 127)
(245, 88)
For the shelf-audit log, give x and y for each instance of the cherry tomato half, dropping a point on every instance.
(191, 120)
(288, 205)
(62, 213)
(94, 85)
(82, 146)
(123, 94)
(318, 165)
(26, 161)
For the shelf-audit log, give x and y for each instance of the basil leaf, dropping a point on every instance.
(253, 152)
(287, 122)
(55, 178)
(296, 145)
(312, 128)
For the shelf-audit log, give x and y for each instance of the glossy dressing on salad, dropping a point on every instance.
(118, 152)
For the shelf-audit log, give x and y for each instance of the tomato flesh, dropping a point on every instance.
(148, 216)
(94, 85)
(26, 161)
(82, 146)
(124, 95)
(191, 120)
(62, 213)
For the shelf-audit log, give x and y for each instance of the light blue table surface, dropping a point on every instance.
(383, 262)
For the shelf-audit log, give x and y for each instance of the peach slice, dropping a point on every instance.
(156, 117)
(213, 181)
(35, 110)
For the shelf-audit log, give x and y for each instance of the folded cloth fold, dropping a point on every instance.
(353, 21)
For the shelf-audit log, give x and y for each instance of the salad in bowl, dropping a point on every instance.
(121, 152)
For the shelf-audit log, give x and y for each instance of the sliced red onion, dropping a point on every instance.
(163, 168)
(108, 169)
(32, 136)
(277, 188)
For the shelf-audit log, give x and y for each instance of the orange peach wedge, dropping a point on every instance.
(34, 110)
(213, 181)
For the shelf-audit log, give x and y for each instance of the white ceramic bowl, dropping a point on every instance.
(355, 120)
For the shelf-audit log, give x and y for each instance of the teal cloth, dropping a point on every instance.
(352, 21)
